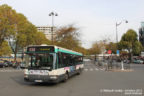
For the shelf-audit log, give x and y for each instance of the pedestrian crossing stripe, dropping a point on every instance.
(91, 69)
(85, 69)
(21, 70)
(96, 68)
(6, 70)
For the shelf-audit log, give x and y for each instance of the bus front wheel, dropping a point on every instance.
(66, 77)
(79, 71)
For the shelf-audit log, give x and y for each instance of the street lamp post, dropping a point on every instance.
(52, 28)
(117, 24)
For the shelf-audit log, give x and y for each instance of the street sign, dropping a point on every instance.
(117, 52)
(109, 52)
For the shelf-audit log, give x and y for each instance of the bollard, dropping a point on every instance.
(122, 65)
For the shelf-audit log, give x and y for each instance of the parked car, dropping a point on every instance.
(9, 63)
(86, 60)
(22, 65)
(15, 64)
(126, 61)
(138, 61)
(6, 64)
(2, 64)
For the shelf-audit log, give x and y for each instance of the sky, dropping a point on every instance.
(96, 19)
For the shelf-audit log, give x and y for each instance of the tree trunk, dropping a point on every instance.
(13, 50)
(1, 41)
(15, 53)
(95, 59)
(130, 56)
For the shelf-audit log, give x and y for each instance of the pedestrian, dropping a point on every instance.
(18, 65)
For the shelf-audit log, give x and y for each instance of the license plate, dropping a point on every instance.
(39, 81)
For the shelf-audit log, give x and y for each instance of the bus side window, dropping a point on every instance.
(78, 60)
(60, 63)
(75, 60)
(65, 59)
(72, 60)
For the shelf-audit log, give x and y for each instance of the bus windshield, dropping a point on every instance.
(42, 61)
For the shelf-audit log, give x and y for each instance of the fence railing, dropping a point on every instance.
(112, 64)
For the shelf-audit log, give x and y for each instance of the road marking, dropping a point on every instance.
(96, 68)
(86, 69)
(101, 69)
(91, 69)
(12, 70)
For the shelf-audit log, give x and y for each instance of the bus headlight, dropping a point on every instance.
(25, 75)
(25, 71)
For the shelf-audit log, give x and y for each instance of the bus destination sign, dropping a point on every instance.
(40, 49)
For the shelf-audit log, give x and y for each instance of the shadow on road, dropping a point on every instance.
(20, 80)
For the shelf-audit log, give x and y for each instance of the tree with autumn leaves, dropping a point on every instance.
(69, 37)
(5, 49)
(18, 31)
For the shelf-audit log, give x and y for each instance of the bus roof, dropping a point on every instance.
(59, 49)
(64, 50)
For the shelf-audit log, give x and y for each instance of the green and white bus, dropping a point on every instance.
(51, 63)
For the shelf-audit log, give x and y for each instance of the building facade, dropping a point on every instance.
(47, 30)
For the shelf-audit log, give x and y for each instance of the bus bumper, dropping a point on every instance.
(41, 78)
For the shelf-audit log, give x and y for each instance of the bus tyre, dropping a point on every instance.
(79, 71)
(66, 77)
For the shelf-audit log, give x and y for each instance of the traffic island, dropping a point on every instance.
(119, 70)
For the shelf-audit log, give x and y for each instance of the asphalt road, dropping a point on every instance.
(92, 82)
